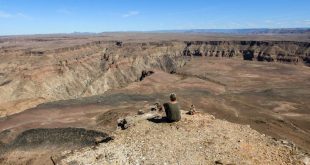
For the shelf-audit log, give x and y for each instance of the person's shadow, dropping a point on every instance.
(159, 119)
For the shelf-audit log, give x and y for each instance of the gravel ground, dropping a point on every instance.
(198, 139)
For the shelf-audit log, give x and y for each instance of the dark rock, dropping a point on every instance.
(145, 74)
(5, 82)
(59, 136)
(122, 123)
(218, 162)
(140, 112)
(119, 43)
(248, 55)
(125, 123)
(173, 72)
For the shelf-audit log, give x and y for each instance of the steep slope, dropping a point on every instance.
(78, 73)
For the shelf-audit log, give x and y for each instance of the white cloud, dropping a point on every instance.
(131, 13)
(269, 21)
(15, 15)
(307, 22)
(21, 15)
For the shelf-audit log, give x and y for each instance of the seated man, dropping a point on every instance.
(172, 109)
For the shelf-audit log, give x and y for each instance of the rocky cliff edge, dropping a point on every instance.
(196, 139)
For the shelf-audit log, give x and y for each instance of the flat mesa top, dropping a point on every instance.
(46, 42)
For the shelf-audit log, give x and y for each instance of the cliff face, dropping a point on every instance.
(280, 51)
(82, 71)
(32, 76)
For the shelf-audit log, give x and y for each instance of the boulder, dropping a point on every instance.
(140, 112)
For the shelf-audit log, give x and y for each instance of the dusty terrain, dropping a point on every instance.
(198, 139)
(91, 81)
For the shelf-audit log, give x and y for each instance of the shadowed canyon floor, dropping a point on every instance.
(95, 85)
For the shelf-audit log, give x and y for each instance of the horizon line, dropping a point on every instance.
(211, 30)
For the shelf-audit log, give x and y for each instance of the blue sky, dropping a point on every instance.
(66, 16)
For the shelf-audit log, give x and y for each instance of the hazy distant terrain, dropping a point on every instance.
(261, 31)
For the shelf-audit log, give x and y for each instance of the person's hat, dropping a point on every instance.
(173, 96)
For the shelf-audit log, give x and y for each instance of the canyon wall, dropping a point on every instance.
(270, 51)
(29, 77)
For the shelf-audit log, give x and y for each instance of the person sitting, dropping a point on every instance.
(172, 109)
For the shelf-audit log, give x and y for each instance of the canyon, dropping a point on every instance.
(88, 82)
(30, 76)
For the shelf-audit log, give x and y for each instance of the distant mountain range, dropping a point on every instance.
(219, 31)
(257, 31)
(243, 31)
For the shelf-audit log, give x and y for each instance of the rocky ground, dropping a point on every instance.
(197, 139)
